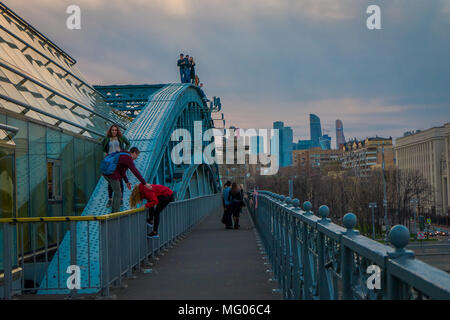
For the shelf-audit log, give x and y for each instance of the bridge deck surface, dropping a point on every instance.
(211, 263)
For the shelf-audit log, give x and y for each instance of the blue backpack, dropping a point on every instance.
(109, 163)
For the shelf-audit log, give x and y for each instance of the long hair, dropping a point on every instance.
(135, 196)
(234, 188)
(119, 133)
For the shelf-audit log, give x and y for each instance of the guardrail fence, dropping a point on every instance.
(313, 258)
(114, 246)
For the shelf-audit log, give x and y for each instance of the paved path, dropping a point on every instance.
(211, 263)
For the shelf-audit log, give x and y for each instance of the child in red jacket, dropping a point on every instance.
(156, 195)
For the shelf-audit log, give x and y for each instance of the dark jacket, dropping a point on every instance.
(236, 201)
(188, 64)
(126, 162)
(181, 63)
(192, 70)
(123, 142)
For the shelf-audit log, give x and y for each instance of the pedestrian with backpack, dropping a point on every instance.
(114, 168)
(114, 142)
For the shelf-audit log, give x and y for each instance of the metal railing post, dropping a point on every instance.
(7, 260)
(104, 258)
(73, 249)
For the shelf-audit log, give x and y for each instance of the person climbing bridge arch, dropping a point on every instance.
(114, 168)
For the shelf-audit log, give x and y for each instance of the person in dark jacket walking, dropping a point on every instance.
(182, 65)
(126, 161)
(157, 196)
(235, 197)
(114, 142)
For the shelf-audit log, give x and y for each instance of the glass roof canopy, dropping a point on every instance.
(40, 81)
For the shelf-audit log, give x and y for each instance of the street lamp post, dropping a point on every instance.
(414, 202)
(373, 205)
(386, 222)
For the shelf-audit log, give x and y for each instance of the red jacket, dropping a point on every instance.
(152, 195)
(126, 162)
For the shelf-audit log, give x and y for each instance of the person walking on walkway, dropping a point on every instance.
(125, 162)
(226, 219)
(236, 200)
(182, 65)
(192, 70)
(157, 196)
(114, 142)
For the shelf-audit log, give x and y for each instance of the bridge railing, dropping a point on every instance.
(313, 258)
(118, 246)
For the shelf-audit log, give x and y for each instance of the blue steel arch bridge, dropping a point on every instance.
(50, 109)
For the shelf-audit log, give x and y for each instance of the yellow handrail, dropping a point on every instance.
(72, 218)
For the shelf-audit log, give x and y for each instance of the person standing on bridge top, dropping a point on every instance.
(182, 65)
(192, 70)
(114, 142)
(226, 219)
(157, 196)
(187, 70)
(125, 162)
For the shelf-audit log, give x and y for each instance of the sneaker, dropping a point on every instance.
(153, 234)
(109, 203)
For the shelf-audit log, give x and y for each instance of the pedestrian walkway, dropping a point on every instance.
(211, 263)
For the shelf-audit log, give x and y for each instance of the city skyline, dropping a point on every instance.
(336, 68)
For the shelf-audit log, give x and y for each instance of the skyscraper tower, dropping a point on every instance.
(288, 136)
(315, 130)
(285, 146)
(340, 139)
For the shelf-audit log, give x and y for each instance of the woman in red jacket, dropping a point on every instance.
(156, 195)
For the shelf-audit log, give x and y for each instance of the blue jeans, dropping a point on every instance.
(182, 73)
(187, 75)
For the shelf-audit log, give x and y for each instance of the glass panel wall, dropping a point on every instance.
(68, 183)
(80, 176)
(89, 162)
(7, 186)
(78, 162)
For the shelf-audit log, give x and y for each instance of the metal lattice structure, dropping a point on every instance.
(130, 99)
(174, 106)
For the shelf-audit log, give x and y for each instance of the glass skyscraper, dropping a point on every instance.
(285, 148)
(340, 138)
(315, 130)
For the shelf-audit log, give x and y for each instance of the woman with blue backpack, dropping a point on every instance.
(114, 142)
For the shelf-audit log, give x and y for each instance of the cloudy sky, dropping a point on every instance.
(272, 60)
